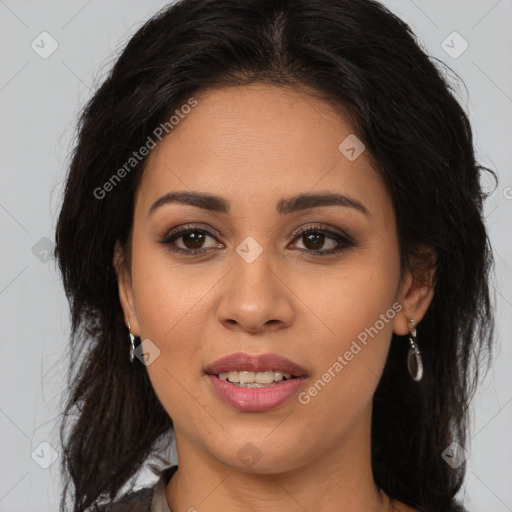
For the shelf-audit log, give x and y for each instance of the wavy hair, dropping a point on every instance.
(358, 56)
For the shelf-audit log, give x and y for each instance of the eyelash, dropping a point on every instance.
(343, 240)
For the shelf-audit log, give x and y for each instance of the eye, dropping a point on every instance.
(314, 238)
(188, 240)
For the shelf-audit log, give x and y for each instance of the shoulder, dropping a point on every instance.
(398, 506)
(457, 507)
(136, 501)
(147, 499)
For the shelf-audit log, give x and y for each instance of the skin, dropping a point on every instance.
(254, 145)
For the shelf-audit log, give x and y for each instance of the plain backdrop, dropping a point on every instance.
(42, 88)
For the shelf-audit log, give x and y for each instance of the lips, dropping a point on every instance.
(257, 363)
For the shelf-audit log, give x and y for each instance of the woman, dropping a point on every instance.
(272, 242)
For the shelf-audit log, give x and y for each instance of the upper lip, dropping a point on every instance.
(255, 363)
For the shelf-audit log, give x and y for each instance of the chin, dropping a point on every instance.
(262, 458)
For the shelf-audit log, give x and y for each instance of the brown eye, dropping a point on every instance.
(315, 239)
(188, 241)
(193, 239)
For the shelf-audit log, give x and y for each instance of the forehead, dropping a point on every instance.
(258, 143)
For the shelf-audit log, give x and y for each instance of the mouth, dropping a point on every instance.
(264, 370)
(255, 383)
(246, 379)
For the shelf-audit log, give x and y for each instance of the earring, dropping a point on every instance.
(132, 343)
(414, 362)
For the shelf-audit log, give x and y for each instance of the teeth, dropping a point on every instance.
(231, 376)
(254, 379)
(264, 377)
(278, 376)
(246, 377)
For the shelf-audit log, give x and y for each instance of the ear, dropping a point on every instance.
(416, 291)
(124, 283)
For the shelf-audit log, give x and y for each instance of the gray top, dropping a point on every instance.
(159, 501)
(148, 499)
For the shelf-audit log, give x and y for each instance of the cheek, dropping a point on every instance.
(167, 294)
(357, 306)
(352, 296)
(168, 310)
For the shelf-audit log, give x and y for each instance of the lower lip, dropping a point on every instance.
(256, 399)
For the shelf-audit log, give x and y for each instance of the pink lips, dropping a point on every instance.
(255, 399)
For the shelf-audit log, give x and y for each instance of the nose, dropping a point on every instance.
(255, 296)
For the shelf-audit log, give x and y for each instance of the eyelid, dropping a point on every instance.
(191, 227)
(343, 239)
(321, 227)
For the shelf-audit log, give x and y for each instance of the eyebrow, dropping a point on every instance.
(284, 206)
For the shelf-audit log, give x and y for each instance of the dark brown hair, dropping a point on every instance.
(356, 54)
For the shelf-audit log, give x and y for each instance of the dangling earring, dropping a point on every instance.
(414, 362)
(132, 343)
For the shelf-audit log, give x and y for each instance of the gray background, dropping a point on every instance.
(39, 102)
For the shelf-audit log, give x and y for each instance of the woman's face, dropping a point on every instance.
(257, 285)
